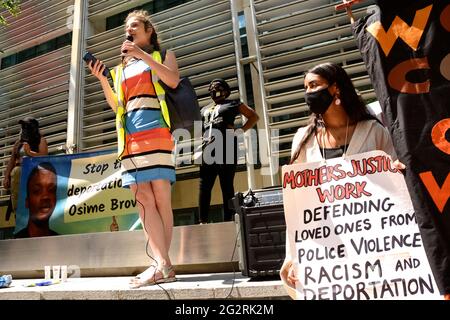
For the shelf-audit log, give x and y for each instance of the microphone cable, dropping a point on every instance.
(232, 264)
(137, 189)
(237, 234)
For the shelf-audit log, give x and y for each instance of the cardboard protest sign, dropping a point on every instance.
(352, 231)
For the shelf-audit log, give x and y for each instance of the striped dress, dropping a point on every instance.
(148, 144)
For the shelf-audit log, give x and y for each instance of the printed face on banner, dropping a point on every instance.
(41, 195)
(352, 231)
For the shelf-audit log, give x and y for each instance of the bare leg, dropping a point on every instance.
(162, 192)
(151, 221)
(155, 211)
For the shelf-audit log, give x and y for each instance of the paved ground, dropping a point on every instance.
(197, 287)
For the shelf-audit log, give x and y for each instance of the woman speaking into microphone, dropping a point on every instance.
(145, 144)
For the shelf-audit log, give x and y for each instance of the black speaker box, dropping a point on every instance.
(263, 231)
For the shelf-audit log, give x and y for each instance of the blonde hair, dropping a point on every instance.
(144, 17)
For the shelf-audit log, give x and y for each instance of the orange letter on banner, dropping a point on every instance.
(397, 76)
(439, 195)
(399, 28)
(438, 135)
(445, 18)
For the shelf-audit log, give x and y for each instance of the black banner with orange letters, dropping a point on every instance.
(406, 48)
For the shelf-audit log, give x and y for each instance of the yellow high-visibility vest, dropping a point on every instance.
(119, 98)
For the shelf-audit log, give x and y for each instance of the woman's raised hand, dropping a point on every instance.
(97, 69)
(26, 148)
(131, 49)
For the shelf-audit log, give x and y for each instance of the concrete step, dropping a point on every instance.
(193, 286)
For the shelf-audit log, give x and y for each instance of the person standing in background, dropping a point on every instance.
(31, 143)
(219, 116)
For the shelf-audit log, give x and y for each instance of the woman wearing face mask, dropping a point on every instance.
(30, 143)
(218, 130)
(340, 125)
(145, 143)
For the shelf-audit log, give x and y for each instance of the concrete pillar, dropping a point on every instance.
(249, 139)
(269, 161)
(76, 82)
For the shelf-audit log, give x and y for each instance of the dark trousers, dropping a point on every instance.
(208, 174)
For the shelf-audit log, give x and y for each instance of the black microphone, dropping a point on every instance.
(129, 38)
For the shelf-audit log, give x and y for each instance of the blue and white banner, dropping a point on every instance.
(77, 193)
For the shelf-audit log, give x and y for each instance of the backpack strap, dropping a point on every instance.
(160, 92)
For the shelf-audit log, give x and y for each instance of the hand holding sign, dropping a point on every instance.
(347, 5)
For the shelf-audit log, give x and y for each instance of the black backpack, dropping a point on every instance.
(182, 103)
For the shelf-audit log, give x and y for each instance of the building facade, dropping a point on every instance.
(261, 47)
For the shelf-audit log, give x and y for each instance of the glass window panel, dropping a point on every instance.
(152, 7)
(9, 61)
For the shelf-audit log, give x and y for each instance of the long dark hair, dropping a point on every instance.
(144, 17)
(30, 134)
(353, 104)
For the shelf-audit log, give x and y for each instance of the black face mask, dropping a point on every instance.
(319, 101)
(219, 95)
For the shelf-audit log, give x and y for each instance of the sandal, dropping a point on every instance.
(145, 279)
(168, 275)
(145, 271)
